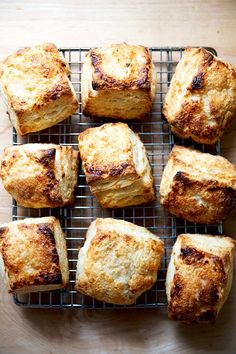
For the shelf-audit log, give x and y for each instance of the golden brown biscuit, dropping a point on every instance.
(118, 82)
(199, 277)
(116, 167)
(35, 86)
(40, 175)
(33, 255)
(201, 100)
(197, 186)
(118, 262)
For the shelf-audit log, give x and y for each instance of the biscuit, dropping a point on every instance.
(33, 255)
(116, 166)
(199, 277)
(118, 262)
(118, 82)
(198, 187)
(36, 89)
(201, 100)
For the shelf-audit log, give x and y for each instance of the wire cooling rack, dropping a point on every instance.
(158, 140)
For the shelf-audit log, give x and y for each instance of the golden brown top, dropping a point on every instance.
(201, 100)
(197, 186)
(34, 76)
(29, 253)
(121, 66)
(199, 277)
(116, 166)
(40, 175)
(118, 261)
(107, 152)
(203, 165)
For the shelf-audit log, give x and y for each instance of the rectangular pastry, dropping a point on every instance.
(33, 255)
(199, 277)
(118, 81)
(35, 86)
(118, 262)
(40, 175)
(116, 166)
(201, 100)
(198, 187)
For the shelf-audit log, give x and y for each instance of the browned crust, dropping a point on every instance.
(44, 69)
(42, 188)
(48, 185)
(108, 169)
(139, 272)
(60, 89)
(220, 199)
(101, 80)
(108, 155)
(191, 120)
(47, 158)
(185, 307)
(96, 172)
(47, 270)
(192, 116)
(3, 232)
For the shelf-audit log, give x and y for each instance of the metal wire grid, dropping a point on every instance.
(158, 140)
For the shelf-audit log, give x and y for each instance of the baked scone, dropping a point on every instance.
(40, 175)
(199, 277)
(35, 86)
(33, 255)
(118, 81)
(118, 262)
(198, 187)
(116, 166)
(201, 100)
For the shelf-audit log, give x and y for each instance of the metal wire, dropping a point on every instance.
(158, 139)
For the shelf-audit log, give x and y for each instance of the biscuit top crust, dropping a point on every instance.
(107, 151)
(29, 253)
(201, 100)
(39, 173)
(200, 284)
(119, 260)
(197, 186)
(207, 76)
(121, 66)
(34, 76)
(199, 165)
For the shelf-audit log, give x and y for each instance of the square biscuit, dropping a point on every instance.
(197, 186)
(201, 100)
(118, 81)
(33, 255)
(40, 175)
(199, 277)
(35, 86)
(116, 166)
(118, 262)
